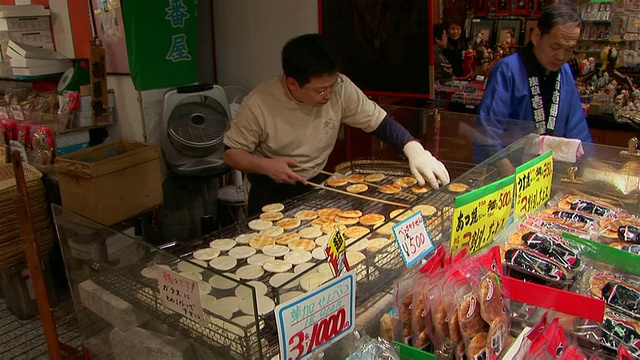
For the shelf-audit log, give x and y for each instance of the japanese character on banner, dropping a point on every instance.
(179, 50)
(537, 102)
(177, 13)
(533, 81)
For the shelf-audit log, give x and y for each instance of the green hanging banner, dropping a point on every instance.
(162, 42)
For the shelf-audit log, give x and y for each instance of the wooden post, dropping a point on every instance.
(27, 233)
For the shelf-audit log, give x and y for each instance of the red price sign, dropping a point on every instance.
(316, 319)
(533, 183)
(413, 239)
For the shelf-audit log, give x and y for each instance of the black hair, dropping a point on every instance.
(454, 20)
(560, 13)
(438, 30)
(308, 56)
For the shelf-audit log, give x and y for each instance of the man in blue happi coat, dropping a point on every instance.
(536, 84)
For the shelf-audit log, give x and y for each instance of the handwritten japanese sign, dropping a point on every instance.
(480, 214)
(413, 238)
(335, 251)
(180, 294)
(318, 318)
(533, 183)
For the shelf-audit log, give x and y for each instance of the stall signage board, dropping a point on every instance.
(180, 294)
(335, 251)
(533, 183)
(480, 214)
(413, 238)
(318, 318)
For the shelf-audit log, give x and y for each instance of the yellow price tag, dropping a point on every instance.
(533, 183)
(335, 251)
(480, 214)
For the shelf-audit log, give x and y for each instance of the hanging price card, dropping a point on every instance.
(180, 294)
(533, 183)
(335, 251)
(317, 318)
(412, 238)
(480, 214)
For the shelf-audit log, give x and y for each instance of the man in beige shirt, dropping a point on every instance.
(294, 119)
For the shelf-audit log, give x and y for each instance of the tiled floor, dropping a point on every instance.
(24, 339)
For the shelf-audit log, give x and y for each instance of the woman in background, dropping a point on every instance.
(456, 44)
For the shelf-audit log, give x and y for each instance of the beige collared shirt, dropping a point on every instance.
(271, 123)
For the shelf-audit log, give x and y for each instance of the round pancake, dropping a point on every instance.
(319, 222)
(390, 188)
(275, 250)
(263, 303)
(372, 219)
(250, 272)
(244, 238)
(329, 227)
(322, 240)
(272, 231)
(357, 188)
(374, 177)
(244, 292)
(277, 266)
(259, 224)
(223, 263)
(359, 245)
(288, 223)
(150, 271)
(319, 254)
(286, 297)
(420, 189)
(189, 267)
(401, 216)
(458, 187)
(336, 182)
(350, 213)
(355, 178)
(427, 210)
(311, 281)
(298, 269)
(310, 232)
(305, 215)
(376, 244)
(206, 254)
(302, 244)
(225, 307)
(273, 207)
(354, 257)
(284, 239)
(346, 221)
(406, 181)
(297, 257)
(222, 244)
(328, 212)
(356, 232)
(271, 216)
(277, 280)
(222, 283)
(259, 259)
(260, 241)
(386, 229)
(241, 252)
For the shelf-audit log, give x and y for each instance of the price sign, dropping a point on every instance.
(180, 294)
(317, 318)
(480, 214)
(412, 238)
(533, 183)
(335, 251)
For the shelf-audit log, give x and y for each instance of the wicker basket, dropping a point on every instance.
(11, 245)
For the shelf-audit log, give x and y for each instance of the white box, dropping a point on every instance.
(68, 142)
(25, 23)
(82, 119)
(32, 37)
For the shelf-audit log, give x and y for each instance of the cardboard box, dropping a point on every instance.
(111, 182)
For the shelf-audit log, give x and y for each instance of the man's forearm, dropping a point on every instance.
(391, 132)
(242, 160)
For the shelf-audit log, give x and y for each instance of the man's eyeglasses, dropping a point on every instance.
(321, 92)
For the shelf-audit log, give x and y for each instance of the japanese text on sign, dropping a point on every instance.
(317, 318)
(335, 251)
(177, 14)
(533, 183)
(480, 214)
(180, 294)
(412, 238)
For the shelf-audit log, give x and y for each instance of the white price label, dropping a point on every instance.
(180, 294)
(413, 238)
(317, 318)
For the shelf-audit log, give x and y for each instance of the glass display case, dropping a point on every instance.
(112, 274)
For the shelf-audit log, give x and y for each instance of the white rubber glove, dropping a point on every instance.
(424, 167)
